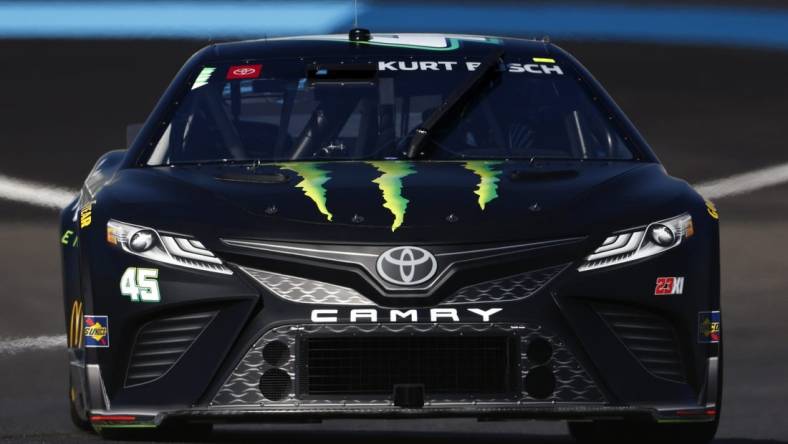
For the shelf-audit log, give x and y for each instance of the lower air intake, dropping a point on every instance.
(374, 365)
(161, 343)
(649, 337)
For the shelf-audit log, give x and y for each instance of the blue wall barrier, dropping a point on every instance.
(706, 25)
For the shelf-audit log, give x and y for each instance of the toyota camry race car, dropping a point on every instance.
(391, 226)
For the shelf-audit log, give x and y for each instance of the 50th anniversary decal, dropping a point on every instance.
(314, 179)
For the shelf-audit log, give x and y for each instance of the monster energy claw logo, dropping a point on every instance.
(487, 189)
(390, 183)
(392, 173)
(313, 183)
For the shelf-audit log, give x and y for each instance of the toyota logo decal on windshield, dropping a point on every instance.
(407, 265)
(244, 72)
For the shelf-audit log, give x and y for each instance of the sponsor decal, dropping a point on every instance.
(416, 42)
(434, 43)
(86, 215)
(421, 42)
(390, 183)
(407, 265)
(412, 315)
(244, 72)
(446, 65)
(712, 209)
(709, 327)
(66, 239)
(75, 323)
(413, 65)
(313, 183)
(96, 331)
(487, 190)
(535, 68)
(669, 285)
(203, 77)
(140, 284)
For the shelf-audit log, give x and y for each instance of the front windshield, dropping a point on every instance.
(370, 109)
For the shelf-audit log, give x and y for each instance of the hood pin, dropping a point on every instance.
(357, 219)
(451, 218)
(535, 207)
(271, 210)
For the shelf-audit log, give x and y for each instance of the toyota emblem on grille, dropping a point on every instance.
(407, 265)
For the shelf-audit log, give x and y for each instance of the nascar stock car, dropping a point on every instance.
(391, 226)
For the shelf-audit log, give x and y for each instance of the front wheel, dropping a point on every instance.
(80, 423)
(611, 432)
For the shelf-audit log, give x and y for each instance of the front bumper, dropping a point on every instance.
(599, 370)
(483, 412)
(558, 368)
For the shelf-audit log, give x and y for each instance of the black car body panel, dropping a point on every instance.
(507, 254)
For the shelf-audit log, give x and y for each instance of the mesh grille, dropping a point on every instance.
(510, 288)
(648, 336)
(243, 386)
(306, 291)
(161, 343)
(373, 365)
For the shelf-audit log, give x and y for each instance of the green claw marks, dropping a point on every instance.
(488, 183)
(313, 179)
(390, 183)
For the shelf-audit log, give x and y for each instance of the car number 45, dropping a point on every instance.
(141, 284)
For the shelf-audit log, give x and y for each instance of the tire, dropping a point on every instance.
(80, 423)
(169, 432)
(613, 432)
(700, 433)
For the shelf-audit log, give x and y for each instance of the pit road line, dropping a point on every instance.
(17, 345)
(54, 197)
(47, 196)
(744, 182)
(35, 193)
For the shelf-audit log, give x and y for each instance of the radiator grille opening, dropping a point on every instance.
(373, 365)
(648, 336)
(161, 343)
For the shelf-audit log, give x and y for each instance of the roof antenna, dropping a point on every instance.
(358, 34)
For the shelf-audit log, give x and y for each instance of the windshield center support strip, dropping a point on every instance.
(461, 95)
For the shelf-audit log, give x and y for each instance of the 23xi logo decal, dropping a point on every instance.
(669, 285)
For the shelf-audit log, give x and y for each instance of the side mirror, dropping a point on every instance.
(132, 130)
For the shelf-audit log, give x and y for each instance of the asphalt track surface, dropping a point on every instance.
(708, 112)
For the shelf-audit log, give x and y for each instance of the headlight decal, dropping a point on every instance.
(168, 248)
(639, 243)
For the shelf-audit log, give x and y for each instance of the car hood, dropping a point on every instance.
(394, 200)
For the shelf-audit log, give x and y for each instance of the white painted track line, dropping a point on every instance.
(14, 346)
(48, 196)
(34, 193)
(56, 198)
(744, 183)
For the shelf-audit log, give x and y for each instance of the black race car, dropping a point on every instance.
(391, 226)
